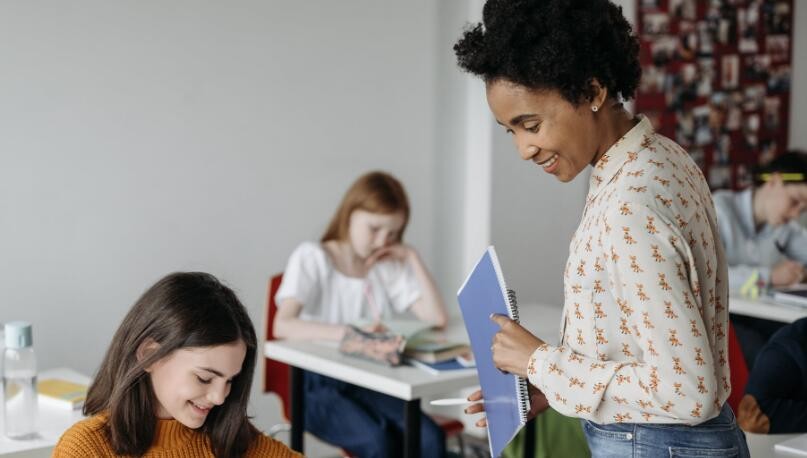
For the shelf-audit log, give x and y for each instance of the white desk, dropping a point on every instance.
(765, 307)
(52, 422)
(761, 445)
(407, 383)
(404, 382)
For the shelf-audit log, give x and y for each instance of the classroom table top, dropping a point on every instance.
(403, 382)
(52, 421)
(765, 307)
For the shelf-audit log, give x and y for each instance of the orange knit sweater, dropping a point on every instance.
(172, 439)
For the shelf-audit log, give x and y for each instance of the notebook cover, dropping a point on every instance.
(483, 293)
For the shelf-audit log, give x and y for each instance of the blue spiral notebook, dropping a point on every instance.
(507, 401)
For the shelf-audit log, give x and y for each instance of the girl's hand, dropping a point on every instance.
(786, 273)
(374, 327)
(398, 251)
(512, 346)
(538, 404)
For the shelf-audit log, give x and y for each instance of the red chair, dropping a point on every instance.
(276, 374)
(276, 377)
(738, 370)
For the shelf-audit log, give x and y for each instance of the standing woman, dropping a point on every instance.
(643, 353)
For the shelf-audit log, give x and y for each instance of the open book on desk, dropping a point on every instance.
(408, 328)
(507, 401)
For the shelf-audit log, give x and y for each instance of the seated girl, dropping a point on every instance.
(175, 380)
(766, 247)
(359, 272)
(760, 226)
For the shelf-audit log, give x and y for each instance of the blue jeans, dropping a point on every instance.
(366, 423)
(718, 437)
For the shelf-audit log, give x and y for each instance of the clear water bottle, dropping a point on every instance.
(19, 382)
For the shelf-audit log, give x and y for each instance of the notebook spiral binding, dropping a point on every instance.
(511, 303)
(521, 382)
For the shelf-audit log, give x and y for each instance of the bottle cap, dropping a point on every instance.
(19, 334)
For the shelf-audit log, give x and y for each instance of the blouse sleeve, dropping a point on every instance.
(301, 278)
(671, 377)
(796, 244)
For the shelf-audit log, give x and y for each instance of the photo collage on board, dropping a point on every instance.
(716, 79)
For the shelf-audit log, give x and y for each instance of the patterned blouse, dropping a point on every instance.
(645, 320)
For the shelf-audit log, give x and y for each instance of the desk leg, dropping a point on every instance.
(412, 432)
(529, 439)
(297, 412)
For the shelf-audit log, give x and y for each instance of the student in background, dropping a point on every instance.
(642, 359)
(175, 380)
(765, 244)
(760, 227)
(359, 272)
(776, 393)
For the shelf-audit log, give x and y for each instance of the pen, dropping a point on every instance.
(453, 402)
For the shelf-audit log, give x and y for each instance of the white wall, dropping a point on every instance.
(450, 156)
(140, 138)
(798, 88)
(533, 219)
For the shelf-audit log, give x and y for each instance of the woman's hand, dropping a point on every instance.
(512, 346)
(538, 403)
(397, 251)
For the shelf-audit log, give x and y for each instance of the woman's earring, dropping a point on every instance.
(594, 108)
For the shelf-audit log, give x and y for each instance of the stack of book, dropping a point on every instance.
(62, 393)
(431, 351)
(435, 355)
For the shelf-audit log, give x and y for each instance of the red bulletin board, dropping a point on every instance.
(716, 78)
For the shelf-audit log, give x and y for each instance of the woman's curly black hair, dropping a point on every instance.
(554, 44)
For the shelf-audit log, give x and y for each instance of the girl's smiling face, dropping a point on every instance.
(191, 381)
(546, 128)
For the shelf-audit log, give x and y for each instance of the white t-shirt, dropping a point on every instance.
(329, 296)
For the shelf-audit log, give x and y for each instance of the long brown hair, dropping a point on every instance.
(375, 192)
(184, 309)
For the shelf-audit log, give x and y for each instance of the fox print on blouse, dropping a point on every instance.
(645, 321)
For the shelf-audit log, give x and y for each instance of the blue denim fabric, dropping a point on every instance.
(718, 437)
(365, 423)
